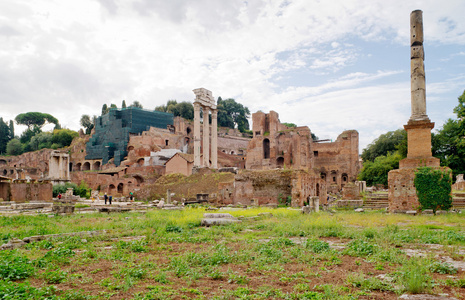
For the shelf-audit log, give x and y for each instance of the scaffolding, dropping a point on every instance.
(112, 131)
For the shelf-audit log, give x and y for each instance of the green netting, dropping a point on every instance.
(112, 130)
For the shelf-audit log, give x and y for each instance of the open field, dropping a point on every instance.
(167, 255)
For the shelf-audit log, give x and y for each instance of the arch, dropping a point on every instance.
(11, 172)
(344, 178)
(232, 152)
(96, 165)
(139, 179)
(130, 148)
(188, 130)
(5, 172)
(120, 187)
(323, 175)
(2, 162)
(141, 161)
(266, 148)
(224, 151)
(86, 166)
(333, 177)
(280, 162)
(111, 189)
(78, 167)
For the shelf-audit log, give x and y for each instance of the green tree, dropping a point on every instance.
(104, 109)
(14, 147)
(376, 172)
(136, 104)
(385, 143)
(87, 123)
(448, 144)
(433, 187)
(232, 114)
(5, 136)
(183, 109)
(123, 105)
(35, 119)
(63, 137)
(40, 141)
(27, 134)
(12, 130)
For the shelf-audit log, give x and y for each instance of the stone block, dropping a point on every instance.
(218, 221)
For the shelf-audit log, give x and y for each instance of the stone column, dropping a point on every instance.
(196, 134)
(214, 138)
(417, 68)
(206, 136)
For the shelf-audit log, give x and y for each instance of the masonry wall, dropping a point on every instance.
(24, 192)
(268, 186)
(338, 161)
(177, 164)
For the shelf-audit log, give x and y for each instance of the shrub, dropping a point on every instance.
(433, 188)
(317, 246)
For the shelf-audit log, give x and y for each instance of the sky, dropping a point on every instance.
(330, 65)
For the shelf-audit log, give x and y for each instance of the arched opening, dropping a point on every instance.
(266, 148)
(139, 179)
(333, 177)
(11, 172)
(5, 172)
(233, 153)
(280, 162)
(224, 151)
(78, 167)
(2, 162)
(323, 176)
(318, 189)
(111, 189)
(96, 165)
(344, 178)
(188, 130)
(70, 166)
(120, 188)
(140, 161)
(86, 166)
(130, 148)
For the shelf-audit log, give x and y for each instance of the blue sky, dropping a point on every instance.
(330, 65)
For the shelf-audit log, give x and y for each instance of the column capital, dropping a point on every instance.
(214, 113)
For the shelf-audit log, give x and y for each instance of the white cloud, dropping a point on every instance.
(69, 58)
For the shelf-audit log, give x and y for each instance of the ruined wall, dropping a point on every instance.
(24, 192)
(268, 186)
(338, 162)
(233, 145)
(274, 145)
(32, 165)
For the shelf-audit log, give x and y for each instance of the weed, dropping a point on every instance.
(414, 276)
(368, 284)
(317, 246)
(14, 266)
(441, 268)
(360, 248)
(56, 276)
(161, 278)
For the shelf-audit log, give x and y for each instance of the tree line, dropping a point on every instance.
(447, 144)
(33, 138)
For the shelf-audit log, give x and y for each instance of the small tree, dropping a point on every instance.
(14, 147)
(433, 188)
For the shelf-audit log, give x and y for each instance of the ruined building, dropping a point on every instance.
(274, 145)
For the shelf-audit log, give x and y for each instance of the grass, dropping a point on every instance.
(283, 256)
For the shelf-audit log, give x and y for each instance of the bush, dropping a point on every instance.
(433, 188)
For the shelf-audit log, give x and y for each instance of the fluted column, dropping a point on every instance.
(196, 135)
(206, 136)
(215, 138)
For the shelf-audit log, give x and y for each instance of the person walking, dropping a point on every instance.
(111, 197)
(106, 198)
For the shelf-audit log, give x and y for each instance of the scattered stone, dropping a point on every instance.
(211, 219)
(51, 216)
(212, 208)
(175, 203)
(306, 209)
(272, 205)
(265, 214)
(411, 212)
(359, 210)
(160, 204)
(83, 241)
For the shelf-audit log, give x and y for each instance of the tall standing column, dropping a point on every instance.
(417, 68)
(196, 134)
(215, 138)
(206, 136)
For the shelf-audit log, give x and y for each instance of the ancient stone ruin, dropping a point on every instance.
(402, 193)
